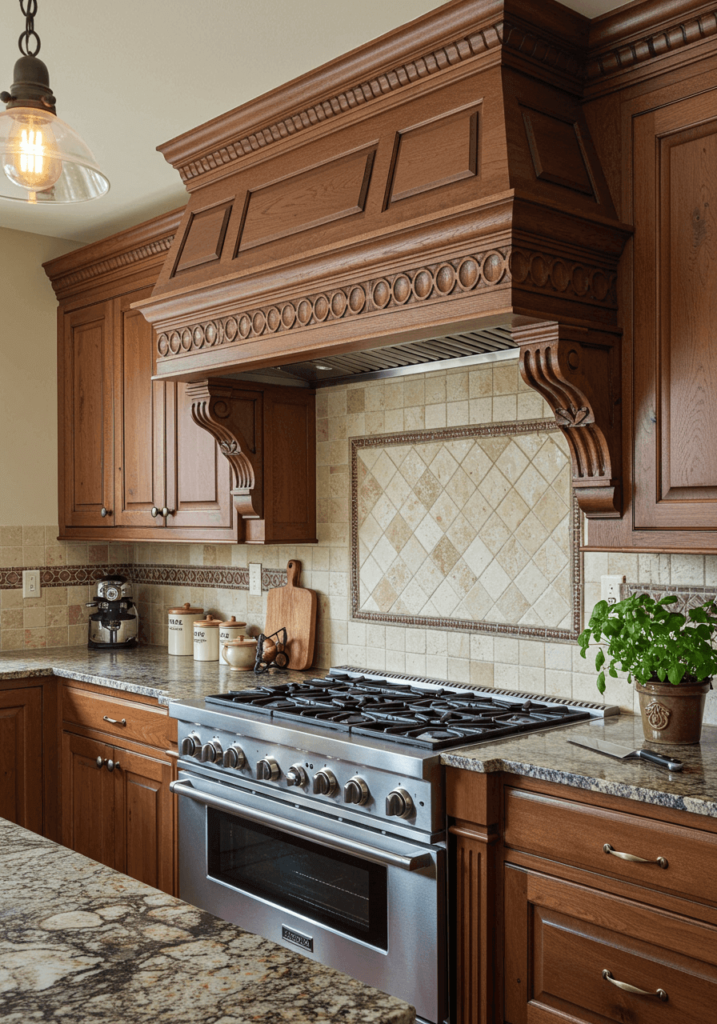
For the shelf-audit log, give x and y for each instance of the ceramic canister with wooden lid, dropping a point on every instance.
(230, 630)
(206, 639)
(181, 629)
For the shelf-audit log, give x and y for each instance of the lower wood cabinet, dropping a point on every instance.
(549, 927)
(21, 757)
(123, 817)
(574, 954)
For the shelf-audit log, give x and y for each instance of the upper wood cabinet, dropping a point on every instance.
(136, 462)
(655, 124)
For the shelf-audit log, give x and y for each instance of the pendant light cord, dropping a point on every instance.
(29, 37)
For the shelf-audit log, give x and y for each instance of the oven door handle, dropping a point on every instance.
(411, 862)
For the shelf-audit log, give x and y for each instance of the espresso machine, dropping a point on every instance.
(115, 624)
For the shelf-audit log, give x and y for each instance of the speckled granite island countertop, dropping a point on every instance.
(150, 671)
(82, 942)
(549, 756)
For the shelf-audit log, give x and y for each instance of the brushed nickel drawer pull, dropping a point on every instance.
(662, 861)
(114, 721)
(659, 993)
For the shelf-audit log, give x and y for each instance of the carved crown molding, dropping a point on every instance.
(134, 246)
(519, 38)
(578, 373)
(690, 28)
(425, 284)
(143, 252)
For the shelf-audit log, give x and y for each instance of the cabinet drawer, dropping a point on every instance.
(577, 834)
(561, 939)
(122, 719)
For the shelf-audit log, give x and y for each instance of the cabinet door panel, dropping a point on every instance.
(198, 476)
(675, 313)
(139, 420)
(86, 416)
(88, 799)
(561, 938)
(21, 742)
(144, 825)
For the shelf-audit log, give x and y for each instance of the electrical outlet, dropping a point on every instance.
(31, 583)
(255, 579)
(610, 588)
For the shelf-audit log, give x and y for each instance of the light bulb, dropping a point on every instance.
(28, 157)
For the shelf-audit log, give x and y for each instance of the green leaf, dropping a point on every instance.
(661, 673)
(601, 682)
(675, 674)
(599, 659)
(698, 615)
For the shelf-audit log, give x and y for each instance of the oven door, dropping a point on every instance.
(369, 904)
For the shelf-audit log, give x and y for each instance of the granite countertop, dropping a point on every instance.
(150, 671)
(549, 756)
(82, 942)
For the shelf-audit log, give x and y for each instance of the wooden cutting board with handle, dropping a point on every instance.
(294, 607)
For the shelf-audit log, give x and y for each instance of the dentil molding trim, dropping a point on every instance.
(519, 38)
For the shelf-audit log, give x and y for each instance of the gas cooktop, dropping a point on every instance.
(399, 712)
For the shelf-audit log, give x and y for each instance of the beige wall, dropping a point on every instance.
(28, 379)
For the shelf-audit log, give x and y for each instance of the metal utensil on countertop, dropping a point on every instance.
(622, 753)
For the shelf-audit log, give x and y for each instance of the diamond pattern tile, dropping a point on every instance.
(474, 528)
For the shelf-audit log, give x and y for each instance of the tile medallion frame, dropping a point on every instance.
(513, 428)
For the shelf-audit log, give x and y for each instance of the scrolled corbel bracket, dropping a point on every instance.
(577, 372)
(234, 417)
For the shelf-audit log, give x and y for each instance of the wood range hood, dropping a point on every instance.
(432, 194)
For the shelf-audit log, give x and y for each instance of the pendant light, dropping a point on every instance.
(42, 159)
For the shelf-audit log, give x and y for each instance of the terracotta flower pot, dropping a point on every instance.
(672, 714)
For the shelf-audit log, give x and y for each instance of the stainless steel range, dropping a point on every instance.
(313, 814)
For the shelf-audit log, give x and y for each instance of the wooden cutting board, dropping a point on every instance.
(294, 607)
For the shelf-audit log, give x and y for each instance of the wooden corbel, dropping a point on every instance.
(234, 416)
(577, 371)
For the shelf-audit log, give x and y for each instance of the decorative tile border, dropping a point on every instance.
(217, 577)
(687, 596)
(473, 626)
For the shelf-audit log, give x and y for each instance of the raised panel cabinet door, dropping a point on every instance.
(575, 954)
(85, 418)
(139, 418)
(144, 818)
(88, 798)
(675, 360)
(21, 745)
(198, 476)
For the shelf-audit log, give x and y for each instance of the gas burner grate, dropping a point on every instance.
(399, 712)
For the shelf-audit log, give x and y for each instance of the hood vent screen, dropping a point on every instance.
(460, 349)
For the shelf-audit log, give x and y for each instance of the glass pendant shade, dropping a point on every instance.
(43, 160)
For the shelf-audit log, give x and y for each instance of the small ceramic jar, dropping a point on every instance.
(230, 630)
(240, 654)
(206, 639)
(181, 629)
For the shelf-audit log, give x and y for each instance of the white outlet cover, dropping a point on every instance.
(255, 579)
(31, 583)
(611, 588)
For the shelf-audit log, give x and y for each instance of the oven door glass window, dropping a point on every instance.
(331, 888)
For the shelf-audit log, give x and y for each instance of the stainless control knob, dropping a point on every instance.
(356, 791)
(191, 746)
(212, 752)
(234, 757)
(268, 769)
(325, 783)
(296, 776)
(399, 804)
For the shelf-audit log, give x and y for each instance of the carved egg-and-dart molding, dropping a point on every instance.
(425, 284)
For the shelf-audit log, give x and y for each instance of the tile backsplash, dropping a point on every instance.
(455, 398)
